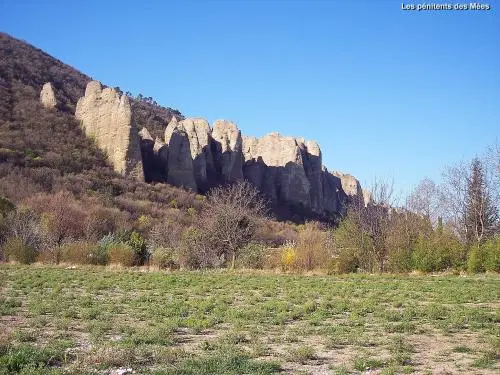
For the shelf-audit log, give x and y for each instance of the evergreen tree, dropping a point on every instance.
(481, 215)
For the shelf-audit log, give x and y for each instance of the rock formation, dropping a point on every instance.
(350, 184)
(227, 145)
(106, 117)
(180, 170)
(47, 96)
(275, 165)
(288, 170)
(198, 134)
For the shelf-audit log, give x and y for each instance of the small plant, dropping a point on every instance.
(363, 364)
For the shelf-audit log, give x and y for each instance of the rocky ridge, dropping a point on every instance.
(196, 156)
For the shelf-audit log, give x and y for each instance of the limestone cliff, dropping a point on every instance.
(227, 145)
(275, 165)
(288, 170)
(197, 144)
(107, 118)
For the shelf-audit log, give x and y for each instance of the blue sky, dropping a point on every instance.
(387, 93)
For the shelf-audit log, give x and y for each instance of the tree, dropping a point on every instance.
(481, 215)
(453, 198)
(424, 199)
(374, 220)
(230, 217)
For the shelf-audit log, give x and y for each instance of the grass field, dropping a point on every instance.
(97, 320)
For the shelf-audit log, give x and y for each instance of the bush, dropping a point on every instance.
(475, 261)
(196, 251)
(345, 261)
(121, 254)
(166, 234)
(485, 257)
(25, 224)
(164, 258)
(438, 253)
(492, 254)
(311, 248)
(16, 249)
(50, 255)
(251, 256)
(230, 218)
(6, 206)
(288, 257)
(79, 252)
(138, 245)
(98, 255)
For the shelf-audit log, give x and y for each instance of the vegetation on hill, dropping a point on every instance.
(61, 202)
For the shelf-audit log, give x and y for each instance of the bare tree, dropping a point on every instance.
(231, 215)
(374, 219)
(424, 200)
(491, 163)
(453, 198)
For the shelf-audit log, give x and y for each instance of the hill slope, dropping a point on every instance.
(47, 151)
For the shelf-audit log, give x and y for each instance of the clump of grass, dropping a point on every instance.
(18, 358)
(367, 363)
(487, 360)
(301, 354)
(9, 306)
(24, 335)
(462, 349)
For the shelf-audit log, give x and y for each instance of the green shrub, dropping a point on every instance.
(485, 257)
(98, 255)
(475, 261)
(346, 261)
(122, 254)
(492, 254)
(79, 252)
(16, 249)
(164, 258)
(251, 256)
(138, 244)
(6, 206)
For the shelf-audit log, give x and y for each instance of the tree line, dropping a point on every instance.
(451, 225)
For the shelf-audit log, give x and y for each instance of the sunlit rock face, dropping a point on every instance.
(287, 170)
(106, 117)
(227, 148)
(47, 96)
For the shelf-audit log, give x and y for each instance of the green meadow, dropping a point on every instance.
(84, 320)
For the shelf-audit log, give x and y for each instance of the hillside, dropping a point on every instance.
(45, 150)
(47, 162)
